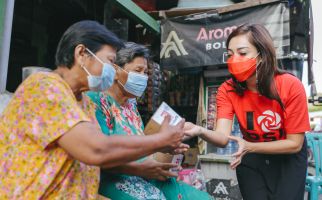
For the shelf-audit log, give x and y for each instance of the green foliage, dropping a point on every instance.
(314, 108)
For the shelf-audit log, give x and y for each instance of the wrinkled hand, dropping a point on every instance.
(243, 148)
(152, 169)
(172, 135)
(179, 150)
(191, 130)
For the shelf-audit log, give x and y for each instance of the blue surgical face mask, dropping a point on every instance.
(135, 83)
(105, 80)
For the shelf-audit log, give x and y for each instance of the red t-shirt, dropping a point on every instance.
(262, 119)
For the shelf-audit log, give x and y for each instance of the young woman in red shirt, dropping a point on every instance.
(271, 107)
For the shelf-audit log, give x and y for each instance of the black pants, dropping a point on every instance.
(273, 177)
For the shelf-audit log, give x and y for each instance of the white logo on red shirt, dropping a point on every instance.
(269, 121)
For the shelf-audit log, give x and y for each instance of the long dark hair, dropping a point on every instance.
(267, 68)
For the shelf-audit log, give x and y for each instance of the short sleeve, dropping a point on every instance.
(49, 108)
(224, 106)
(296, 110)
(102, 112)
(89, 106)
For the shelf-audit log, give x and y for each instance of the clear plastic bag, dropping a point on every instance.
(193, 177)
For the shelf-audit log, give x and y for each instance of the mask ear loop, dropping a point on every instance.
(120, 68)
(123, 86)
(90, 52)
(84, 68)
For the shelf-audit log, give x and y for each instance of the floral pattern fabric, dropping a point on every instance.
(139, 188)
(116, 119)
(32, 165)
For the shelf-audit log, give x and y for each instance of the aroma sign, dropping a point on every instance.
(214, 33)
(200, 40)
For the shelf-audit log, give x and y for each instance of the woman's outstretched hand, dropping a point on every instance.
(191, 130)
(243, 148)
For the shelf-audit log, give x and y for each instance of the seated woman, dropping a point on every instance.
(145, 178)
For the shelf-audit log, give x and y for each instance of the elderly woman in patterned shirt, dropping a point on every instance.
(144, 178)
(49, 147)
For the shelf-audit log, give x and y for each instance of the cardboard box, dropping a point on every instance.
(163, 157)
(191, 157)
(155, 122)
(154, 126)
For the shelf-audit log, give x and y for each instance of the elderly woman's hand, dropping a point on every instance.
(179, 150)
(152, 169)
(171, 136)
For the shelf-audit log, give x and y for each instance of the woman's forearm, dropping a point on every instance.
(219, 136)
(123, 149)
(86, 144)
(132, 168)
(214, 137)
(287, 146)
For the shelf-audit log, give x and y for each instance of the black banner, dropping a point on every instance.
(200, 39)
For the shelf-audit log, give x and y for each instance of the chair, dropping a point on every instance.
(314, 182)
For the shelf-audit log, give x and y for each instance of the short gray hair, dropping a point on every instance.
(128, 53)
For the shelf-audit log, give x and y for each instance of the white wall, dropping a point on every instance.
(317, 46)
(317, 49)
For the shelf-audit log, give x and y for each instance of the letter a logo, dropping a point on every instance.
(221, 188)
(173, 43)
